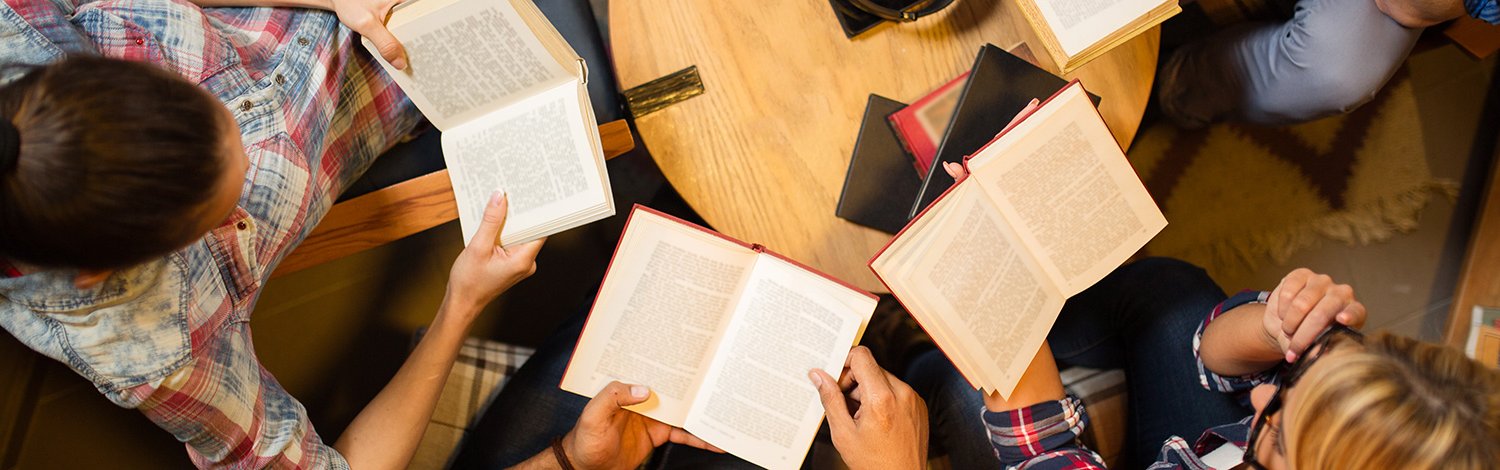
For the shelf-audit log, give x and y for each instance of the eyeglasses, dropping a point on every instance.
(1286, 378)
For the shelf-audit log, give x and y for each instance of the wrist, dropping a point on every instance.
(560, 454)
(566, 452)
(455, 314)
(1271, 341)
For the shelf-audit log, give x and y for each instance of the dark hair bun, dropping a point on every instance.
(10, 145)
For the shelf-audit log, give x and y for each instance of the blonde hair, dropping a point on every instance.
(1396, 403)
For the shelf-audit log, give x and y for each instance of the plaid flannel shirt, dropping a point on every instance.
(171, 337)
(1046, 435)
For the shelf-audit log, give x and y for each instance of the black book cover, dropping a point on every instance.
(880, 184)
(1000, 85)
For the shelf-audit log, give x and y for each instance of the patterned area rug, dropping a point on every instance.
(1237, 195)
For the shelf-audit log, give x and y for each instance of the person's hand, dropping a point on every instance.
(485, 269)
(882, 424)
(608, 436)
(367, 17)
(959, 172)
(1305, 304)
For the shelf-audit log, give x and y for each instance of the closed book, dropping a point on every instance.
(880, 184)
(999, 86)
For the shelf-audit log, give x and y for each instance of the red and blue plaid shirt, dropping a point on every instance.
(1046, 435)
(171, 337)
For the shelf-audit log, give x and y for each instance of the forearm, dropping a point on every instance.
(1236, 343)
(387, 431)
(1040, 383)
(317, 4)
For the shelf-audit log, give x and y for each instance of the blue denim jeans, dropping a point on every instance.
(1140, 318)
(1331, 57)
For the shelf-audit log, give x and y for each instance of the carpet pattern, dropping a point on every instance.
(1237, 195)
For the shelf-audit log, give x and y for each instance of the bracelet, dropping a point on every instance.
(562, 457)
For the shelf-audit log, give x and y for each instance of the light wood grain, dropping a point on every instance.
(1479, 282)
(763, 153)
(401, 210)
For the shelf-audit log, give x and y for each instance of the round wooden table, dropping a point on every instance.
(761, 155)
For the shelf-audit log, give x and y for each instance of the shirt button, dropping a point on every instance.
(241, 225)
(280, 80)
(139, 41)
(303, 41)
(246, 105)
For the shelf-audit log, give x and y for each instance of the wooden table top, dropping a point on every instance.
(761, 155)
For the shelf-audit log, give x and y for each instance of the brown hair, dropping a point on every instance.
(1396, 403)
(115, 160)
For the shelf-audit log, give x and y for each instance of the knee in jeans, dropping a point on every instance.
(1172, 272)
(1183, 287)
(1337, 88)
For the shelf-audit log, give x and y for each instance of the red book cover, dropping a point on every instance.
(921, 125)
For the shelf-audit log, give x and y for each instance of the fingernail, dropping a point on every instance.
(1344, 318)
(399, 63)
(639, 391)
(495, 197)
(816, 379)
(1291, 357)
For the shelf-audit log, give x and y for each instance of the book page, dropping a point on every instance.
(467, 58)
(1063, 183)
(756, 401)
(660, 313)
(1078, 24)
(894, 264)
(993, 297)
(538, 151)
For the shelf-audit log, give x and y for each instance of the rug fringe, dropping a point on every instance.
(1373, 222)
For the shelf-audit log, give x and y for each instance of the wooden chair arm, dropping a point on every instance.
(402, 209)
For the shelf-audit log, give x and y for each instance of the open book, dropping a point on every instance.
(509, 95)
(1049, 208)
(723, 332)
(1075, 32)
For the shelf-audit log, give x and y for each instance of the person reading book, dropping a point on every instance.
(145, 202)
(723, 331)
(1381, 402)
(1329, 58)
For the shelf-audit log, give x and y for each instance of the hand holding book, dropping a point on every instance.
(877, 421)
(485, 269)
(367, 17)
(609, 436)
(724, 332)
(961, 171)
(1047, 208)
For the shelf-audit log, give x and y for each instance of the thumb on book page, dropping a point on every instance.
(832, 397)
(488, 233)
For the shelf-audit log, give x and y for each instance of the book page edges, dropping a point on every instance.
(1130, 31)
(1033, 16)
(1066, 64)
(551, 39)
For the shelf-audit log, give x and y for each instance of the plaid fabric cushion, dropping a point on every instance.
(482, 368)
(1103, 395)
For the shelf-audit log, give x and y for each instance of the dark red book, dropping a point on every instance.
(920, 126)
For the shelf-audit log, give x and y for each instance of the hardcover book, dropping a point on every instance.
(723, 332)
(1049, 208)
(509, 95)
